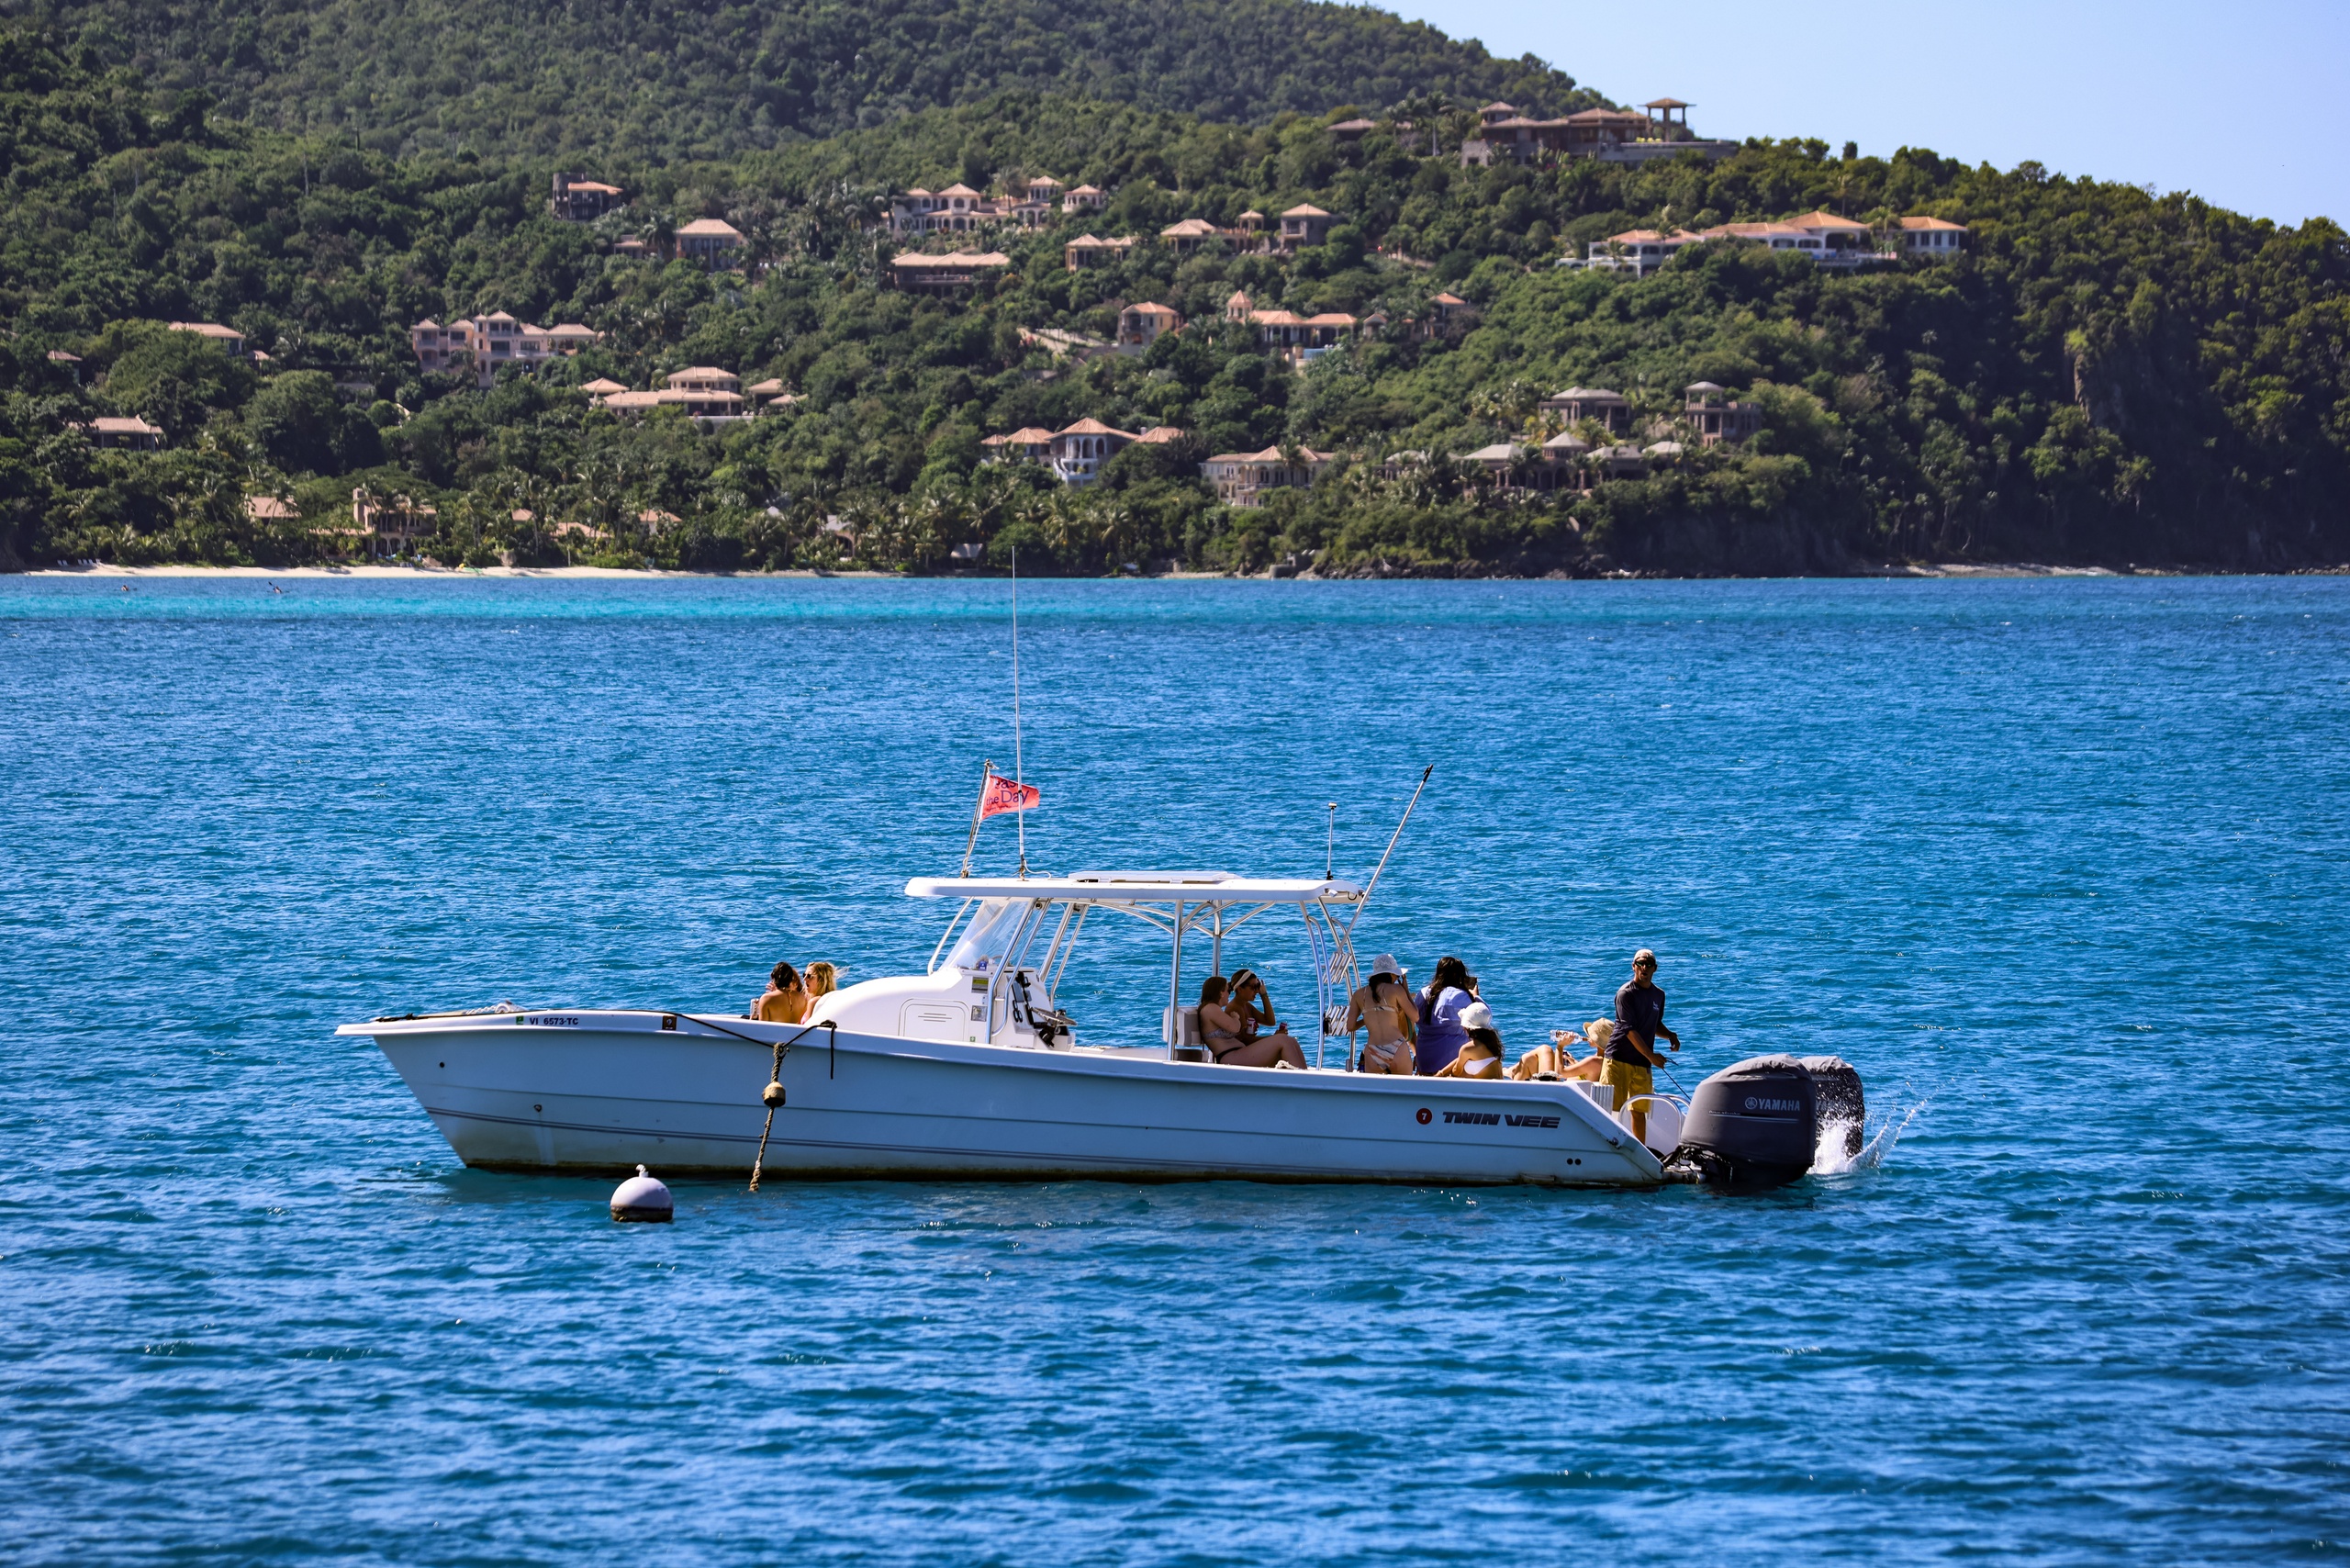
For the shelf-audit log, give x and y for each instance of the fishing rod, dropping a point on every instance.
(1373, 884)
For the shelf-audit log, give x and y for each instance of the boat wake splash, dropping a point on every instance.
(1875, 1146)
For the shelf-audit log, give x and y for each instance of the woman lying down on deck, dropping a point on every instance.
(1556, 1060)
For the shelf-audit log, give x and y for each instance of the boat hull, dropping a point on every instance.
(605, 1092)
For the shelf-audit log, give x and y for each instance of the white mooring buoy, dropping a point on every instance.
(643, 1197)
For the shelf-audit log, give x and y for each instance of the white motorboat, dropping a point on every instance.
(969, 1070)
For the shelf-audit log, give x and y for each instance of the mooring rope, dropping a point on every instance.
(772, 1093)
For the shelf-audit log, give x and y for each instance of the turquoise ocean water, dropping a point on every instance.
(2059, 864)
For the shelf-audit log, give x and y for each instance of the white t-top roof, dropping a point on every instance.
(1142, 887)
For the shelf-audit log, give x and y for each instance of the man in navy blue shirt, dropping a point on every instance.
(1632, 1048)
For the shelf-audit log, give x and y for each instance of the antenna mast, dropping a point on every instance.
(1018, 775)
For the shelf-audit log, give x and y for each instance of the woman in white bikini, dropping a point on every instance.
(1480, 1053)
(1385, 1008)
(1229, 1022)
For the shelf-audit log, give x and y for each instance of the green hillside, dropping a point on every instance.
(2103, 377)
(660, 79)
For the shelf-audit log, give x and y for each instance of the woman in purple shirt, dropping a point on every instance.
(1450, 989)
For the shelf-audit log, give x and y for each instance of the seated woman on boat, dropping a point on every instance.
(1481, 1047)
(1557, 1060)
(1228, 1027)
(821, 980)
(1384, 1007)
(784, 1001)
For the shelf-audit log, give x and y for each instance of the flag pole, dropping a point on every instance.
(1018, 775)
(987, 771)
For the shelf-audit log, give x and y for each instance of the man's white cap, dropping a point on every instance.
(1386, 964)
(1476, 1015)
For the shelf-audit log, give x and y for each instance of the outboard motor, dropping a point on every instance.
(1841, 1100)
(1757, 1122)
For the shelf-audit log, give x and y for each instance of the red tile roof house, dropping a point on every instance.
(1509, 467)
(488, 342)
(1709, 410)
(1305, 225)
(580, 200)
(1079, 450)
(1448, 316)
(1192, 234)
(1637, 250)
(707, 394)
(1085, 198)
(1828, 239)
(229, 338)
(109, 431)
(392, 526)
(1091, 251)
(1243, 478)
(958, 210)
(1034, 444)
(713, 241)
(923, 273)
(1614, 135)
(1611, 410)
(1139, 326)
(1300, 340)
(1931, 238)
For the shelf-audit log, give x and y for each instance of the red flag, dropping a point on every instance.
(1002, 795)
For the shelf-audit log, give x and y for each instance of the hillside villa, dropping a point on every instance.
(713, 241)
(1298, 339)
(1611, 135)
(1245, 478)
(1929, 239)
(1139, 326)
(1827, 239)
(959, 209)
(484, 342)
(1091, 251)
(920, 273)
(708, 396)
(231, 342)
(137, 434)
(1075, 453)
(578, 199)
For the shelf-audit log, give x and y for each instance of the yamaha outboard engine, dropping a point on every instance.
(1757, 1122)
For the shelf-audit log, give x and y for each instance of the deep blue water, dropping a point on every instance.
(2059, 864)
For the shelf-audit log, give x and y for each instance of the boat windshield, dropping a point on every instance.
(989, 936)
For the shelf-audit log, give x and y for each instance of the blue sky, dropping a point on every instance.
(2241, 104)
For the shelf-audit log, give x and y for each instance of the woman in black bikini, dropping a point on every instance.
(1230, 1015)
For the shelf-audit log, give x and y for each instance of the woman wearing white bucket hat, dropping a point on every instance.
(1481, 1051)
(1384, 1007)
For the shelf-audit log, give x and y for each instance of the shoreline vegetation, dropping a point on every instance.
(372, 571)
(2101, 377)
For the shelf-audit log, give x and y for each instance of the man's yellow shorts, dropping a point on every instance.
(1628, 1079)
